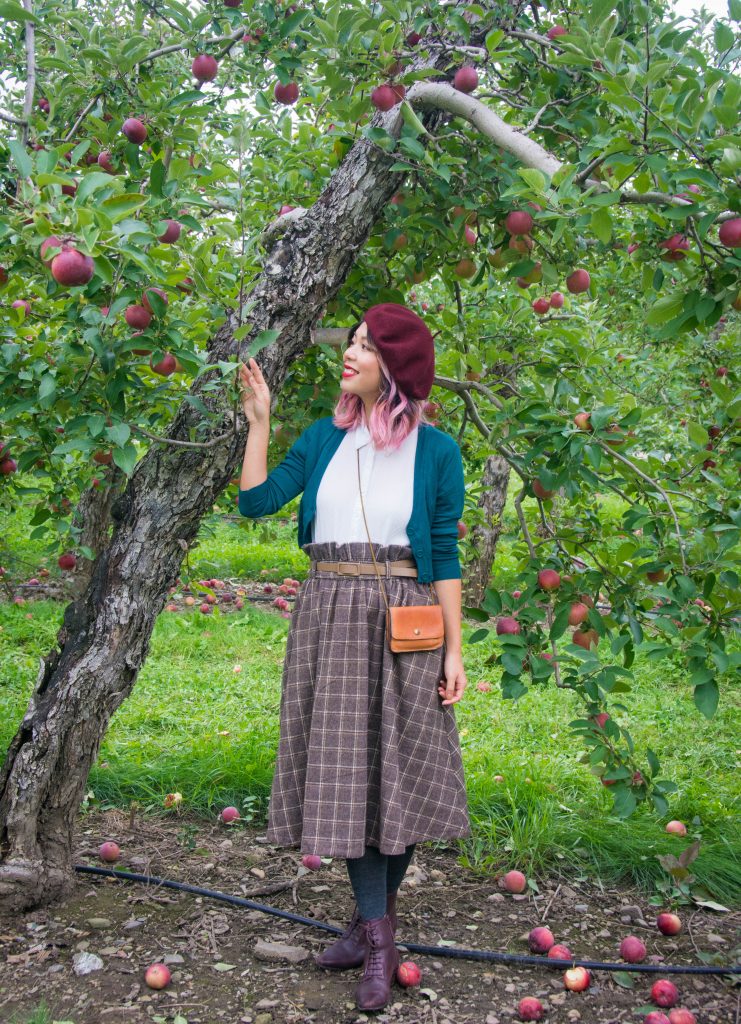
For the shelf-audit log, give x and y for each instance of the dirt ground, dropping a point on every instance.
(231, 964)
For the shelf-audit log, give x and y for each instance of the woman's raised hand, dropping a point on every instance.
(254, 394)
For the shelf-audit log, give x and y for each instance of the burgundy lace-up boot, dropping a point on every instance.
(349, 950)
(380, 965)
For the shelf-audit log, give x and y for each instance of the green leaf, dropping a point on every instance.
(125, 458)
(535, 179)
(119, 433)
(706, 698)
(261, 341)
(698, 435)
(20, 157)
(91, 183)
(493, 39)
(157, 177)
(187, 97)
(623, 979)
(118, 207)
(10, 11)
(478, 635)
(601, 225)
(624, 802)
(411, 120)
(664, 309)
(723, 36)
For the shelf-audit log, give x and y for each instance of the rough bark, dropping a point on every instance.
(93, 518)
(484, 537)
(106, 631)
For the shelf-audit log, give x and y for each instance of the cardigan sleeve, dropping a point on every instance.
(448, 510)
(282, 484)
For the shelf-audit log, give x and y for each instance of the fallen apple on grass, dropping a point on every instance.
(229, 814)
(664, 993)
(408, 974)
(576, 979)
(540, 940)
(311, 861)
(109, 851)
(676, 828)
(559, 952)
(682, 1016)
(669, 924)
(530, 1008)
(158, 976)
(515, 882)
(632, 949)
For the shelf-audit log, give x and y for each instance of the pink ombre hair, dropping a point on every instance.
(394, 415)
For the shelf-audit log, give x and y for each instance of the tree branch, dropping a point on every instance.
(29, 30)
(73, 130)
(11, 119)
(631, 465)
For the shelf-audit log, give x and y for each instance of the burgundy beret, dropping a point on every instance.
(406, 346)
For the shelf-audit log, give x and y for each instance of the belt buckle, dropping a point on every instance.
(348, 568)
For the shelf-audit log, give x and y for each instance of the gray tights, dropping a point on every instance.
(375, 874)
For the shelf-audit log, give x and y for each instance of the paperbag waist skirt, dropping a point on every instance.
(367, 755)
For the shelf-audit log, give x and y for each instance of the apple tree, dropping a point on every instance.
(184, 189)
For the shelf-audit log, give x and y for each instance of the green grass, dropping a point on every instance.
(195, 726)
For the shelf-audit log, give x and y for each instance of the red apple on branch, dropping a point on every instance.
(549, 579)
(517, 222)
(134, 130)
(578, 282)
(71, 268)
(204, 67)
(465, 79)
(286, 94)
(138, 317)
(507, 626)
(729, 233)
(171, 232)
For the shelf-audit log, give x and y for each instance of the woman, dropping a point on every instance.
(369, 759)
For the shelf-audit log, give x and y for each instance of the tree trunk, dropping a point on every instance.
(106, 631)
(495, 480)
(93, 518)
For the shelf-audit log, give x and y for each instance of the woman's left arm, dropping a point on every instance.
(449, 595)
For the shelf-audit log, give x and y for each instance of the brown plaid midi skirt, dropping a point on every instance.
(368, 755)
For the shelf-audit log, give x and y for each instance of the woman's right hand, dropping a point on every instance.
(254, 394)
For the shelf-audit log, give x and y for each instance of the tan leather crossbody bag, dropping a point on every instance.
(412, 627)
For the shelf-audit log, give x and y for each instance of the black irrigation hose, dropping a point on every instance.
(413, 947)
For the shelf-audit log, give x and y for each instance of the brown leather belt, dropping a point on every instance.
(404, 567)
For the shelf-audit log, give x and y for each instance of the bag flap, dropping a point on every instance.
(417, 622)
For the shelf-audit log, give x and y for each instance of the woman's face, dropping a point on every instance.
(361, 373)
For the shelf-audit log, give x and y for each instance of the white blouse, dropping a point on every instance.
(388, 492)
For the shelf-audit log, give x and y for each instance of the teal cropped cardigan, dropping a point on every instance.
(437, 504)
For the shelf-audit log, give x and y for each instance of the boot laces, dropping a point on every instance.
(375, 966)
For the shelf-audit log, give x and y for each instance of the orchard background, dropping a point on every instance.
(556, 188)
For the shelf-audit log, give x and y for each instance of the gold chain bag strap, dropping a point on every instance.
(413, 627)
